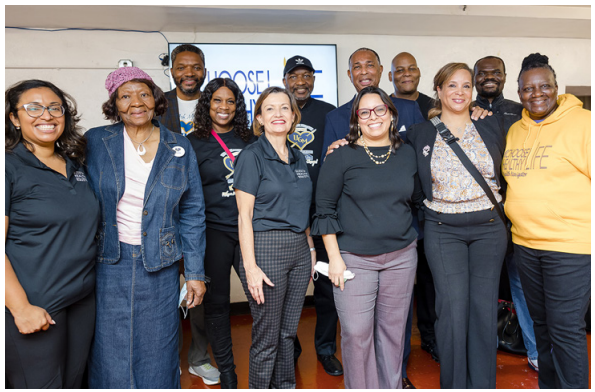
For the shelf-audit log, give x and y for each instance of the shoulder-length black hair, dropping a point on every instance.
(393, 132)
(110, 110)
(70, 144)
(202, 117)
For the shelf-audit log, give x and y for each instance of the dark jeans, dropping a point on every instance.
(55, 358)
(465, 253)
(557, 289)
(222, 253)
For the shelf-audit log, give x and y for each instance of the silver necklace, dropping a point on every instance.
(141, 150)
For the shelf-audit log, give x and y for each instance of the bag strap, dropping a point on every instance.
(223, 145)
(451, 140)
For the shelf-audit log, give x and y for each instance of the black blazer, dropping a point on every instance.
(423, 135)
(171, 118)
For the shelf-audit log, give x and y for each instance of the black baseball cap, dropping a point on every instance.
(297, 61)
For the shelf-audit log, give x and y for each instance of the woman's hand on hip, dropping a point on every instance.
(254, 278)
(196, 291)
(32, 319)
(336, 267)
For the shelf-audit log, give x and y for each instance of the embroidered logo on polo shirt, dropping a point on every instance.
(80, 176)
(301, 173)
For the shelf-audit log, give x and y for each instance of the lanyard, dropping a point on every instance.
(222, 144)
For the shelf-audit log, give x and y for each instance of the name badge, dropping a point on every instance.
(179, 151)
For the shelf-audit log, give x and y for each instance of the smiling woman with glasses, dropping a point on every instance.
(363, 214)
(51, 216)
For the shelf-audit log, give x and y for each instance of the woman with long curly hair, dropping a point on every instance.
(51, 217)
(220, 133)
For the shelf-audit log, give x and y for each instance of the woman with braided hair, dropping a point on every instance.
(547, 165)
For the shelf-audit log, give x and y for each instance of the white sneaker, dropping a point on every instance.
(533, 364)
(208, 373)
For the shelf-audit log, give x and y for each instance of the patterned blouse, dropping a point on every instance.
(454, 190)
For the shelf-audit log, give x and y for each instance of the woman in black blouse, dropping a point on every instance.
(364, 217)
(273, 192)
(51, 217)
(220, 133)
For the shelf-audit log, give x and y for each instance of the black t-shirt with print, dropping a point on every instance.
(309, 136)
(217, 175)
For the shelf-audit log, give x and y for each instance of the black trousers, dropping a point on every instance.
(426, 296)
(221, 255)
(465, 253)
(557, 288)
(55, 358)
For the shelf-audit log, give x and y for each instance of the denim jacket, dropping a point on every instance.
(173, 221)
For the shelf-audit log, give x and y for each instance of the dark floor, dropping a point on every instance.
(423, 372)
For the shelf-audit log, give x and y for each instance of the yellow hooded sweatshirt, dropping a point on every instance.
(547, 167)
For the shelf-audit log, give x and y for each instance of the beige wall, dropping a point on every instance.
(79, 61)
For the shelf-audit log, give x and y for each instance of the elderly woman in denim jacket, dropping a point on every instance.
(147, 181)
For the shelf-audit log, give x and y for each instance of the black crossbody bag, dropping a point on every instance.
(451, 140)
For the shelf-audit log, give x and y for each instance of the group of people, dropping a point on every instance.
(99, 226)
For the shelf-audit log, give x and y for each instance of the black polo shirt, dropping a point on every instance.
(283, 191)
(51, 231)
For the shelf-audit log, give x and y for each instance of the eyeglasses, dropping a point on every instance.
(35, 110)
(365, 114)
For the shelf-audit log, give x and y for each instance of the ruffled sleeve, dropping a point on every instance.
(325, 224)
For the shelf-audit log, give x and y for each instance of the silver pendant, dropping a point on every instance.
(141, 150)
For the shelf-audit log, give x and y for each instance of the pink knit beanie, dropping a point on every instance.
(123, 75)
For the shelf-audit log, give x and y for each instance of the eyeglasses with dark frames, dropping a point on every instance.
(365, 114)
(36, 110)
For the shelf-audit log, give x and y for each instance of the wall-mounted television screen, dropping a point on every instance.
(254, 67)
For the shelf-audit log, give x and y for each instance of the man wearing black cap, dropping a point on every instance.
(298, 78)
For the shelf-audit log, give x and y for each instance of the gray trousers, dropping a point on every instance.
(465, 253)
(373, 309)
(197, 353)
(284, 257)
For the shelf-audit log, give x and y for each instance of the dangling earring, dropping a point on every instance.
(359, 131)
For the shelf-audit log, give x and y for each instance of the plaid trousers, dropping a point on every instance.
(284, 256)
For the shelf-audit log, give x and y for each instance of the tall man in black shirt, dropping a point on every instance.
(490, 77)
(298, 78)
(405, 75)
(188, 70)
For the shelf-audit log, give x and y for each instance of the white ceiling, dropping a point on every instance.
(421, 20)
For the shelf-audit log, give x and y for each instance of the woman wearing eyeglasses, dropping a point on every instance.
(363, 214)
(51, 216)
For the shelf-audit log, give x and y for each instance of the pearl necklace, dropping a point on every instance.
(141, 150)
(376, 158)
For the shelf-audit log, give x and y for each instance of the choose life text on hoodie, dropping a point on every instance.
(547, 166)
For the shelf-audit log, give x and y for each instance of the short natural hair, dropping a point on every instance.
(362, 49)
(489, 57)
(70, 144)
(110, 110)
(393, 133)
(259, 129)
(186, 48)
(443, 75)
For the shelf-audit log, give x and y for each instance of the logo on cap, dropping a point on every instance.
(299, 61)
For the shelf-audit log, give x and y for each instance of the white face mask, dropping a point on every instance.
(183, 292)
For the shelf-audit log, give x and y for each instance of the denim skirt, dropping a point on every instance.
(136, 327)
